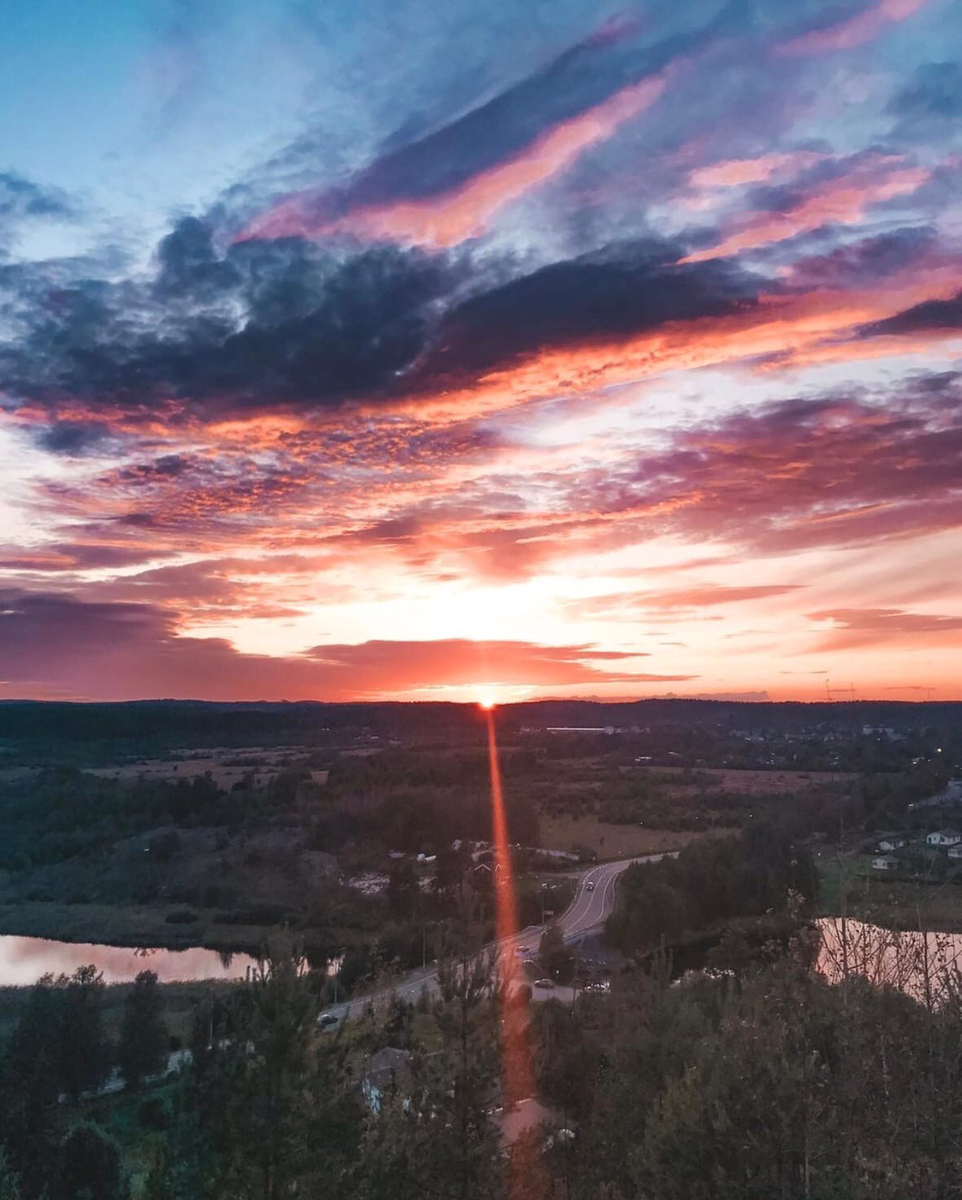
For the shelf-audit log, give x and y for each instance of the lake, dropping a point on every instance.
(23, 960)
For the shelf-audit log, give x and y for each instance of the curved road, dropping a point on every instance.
(587, 912)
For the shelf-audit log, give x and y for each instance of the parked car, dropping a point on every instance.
(544, 984)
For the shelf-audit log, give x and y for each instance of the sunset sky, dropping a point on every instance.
(401, 349)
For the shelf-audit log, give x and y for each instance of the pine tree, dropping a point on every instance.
(267, 1117)
(89, 1166)
(144, 1039)
(9, 1180)
(83, 1053)
(29, 1087)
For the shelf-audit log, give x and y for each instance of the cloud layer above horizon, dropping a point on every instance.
(359, 352)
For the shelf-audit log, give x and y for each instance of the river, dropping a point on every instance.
(884, 956)
(24, 960)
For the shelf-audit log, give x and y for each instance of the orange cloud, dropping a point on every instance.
(842, 200)
(856, 627)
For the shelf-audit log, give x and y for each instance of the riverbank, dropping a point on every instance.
(907, 906)
(164, 928)
(845, 886)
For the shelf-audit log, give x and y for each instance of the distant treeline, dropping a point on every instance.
(149, 726)
(709, 884)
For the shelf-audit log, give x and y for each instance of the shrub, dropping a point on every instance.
(153, 1114)
(181, 916)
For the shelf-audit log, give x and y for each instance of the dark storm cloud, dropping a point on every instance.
(72, 437)
(627, 289)
(285, 323)
(22, 198)
(169, 466)
(930, 315)
(934, 94)
(866, 259)
(267, 323)
(23, 201)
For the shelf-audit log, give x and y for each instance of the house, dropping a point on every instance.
(388, 1073)
(955, 851)
(885, 862)
(893, 841)
(944, 837)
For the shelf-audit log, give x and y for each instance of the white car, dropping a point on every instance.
(545, 984)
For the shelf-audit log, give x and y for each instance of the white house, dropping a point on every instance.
(955, 851)
(894, 841)
(885, 862)
(944, 837)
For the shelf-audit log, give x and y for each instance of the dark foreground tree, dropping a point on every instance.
(83, 1052)
(266, 1113)
(89, 1166)
(432, 1138)
(144, 1041)
(9, 1180)
(29, 1085)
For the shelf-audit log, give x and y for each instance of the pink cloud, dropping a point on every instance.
(464, 212)
(863, 27)
(844, 199)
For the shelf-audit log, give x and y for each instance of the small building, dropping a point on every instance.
(893, 841)
(885, 862)
(955, 851)
(944, 837)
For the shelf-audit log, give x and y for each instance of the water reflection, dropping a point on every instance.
(23, 960)
(925, 966)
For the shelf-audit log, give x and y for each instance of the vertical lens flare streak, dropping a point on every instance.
(525, 1177)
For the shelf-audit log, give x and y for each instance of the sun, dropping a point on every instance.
(486, 700)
